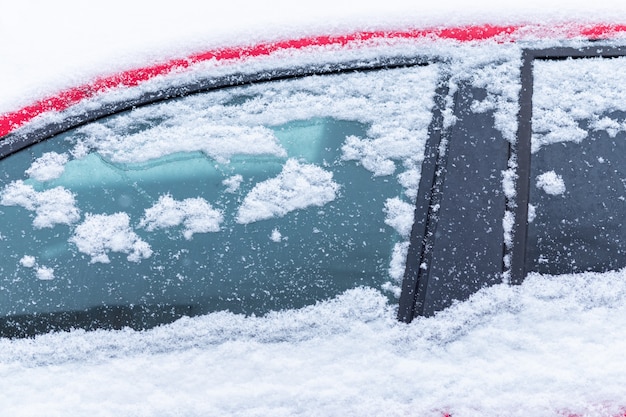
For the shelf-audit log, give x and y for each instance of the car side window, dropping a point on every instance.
(247, 199)
(577, 198)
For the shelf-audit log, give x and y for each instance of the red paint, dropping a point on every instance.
(11, 121)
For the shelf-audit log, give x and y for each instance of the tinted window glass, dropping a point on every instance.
(248, 199)
(577, 212)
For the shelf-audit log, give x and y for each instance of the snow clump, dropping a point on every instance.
(48, 167)
(399, 216)
(45, 274)
(196, 214)
(551, 183)
(298, 186)
(51, 207)
(101, 233)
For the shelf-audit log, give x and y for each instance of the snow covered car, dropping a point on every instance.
(428, 164)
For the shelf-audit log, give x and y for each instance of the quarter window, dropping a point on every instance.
(577, 199)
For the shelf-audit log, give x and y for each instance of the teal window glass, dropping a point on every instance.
(249, 199)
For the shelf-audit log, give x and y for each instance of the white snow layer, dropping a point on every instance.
(41, 51)
(45, 273)
(400, 215)
(233, 183)
(298, 186)
(219, 142)
(276, 236)
(550, 347)
(28, 261)
(99, 234)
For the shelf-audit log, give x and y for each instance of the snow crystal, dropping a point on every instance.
(551, 183)
(101, 233)
(233, 183)
(48, 167)
(400, 216)
(196, 214)
(509, 178)
(298, 186)
(28, 261)
(51, 207)
(45, 274)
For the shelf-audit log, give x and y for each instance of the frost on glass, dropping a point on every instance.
(250, 199)
(577, 211)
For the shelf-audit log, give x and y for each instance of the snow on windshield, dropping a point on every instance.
(552, 346)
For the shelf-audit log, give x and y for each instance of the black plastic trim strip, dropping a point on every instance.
(524, 134)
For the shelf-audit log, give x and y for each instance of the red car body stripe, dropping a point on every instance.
(61, 101)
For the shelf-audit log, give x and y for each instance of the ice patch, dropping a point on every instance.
(196, 214)
(51, 207)
(48, 167)
(551, 183)
(298, 186)
(101, 233)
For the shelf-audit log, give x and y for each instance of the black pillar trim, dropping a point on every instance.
(415, 280)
